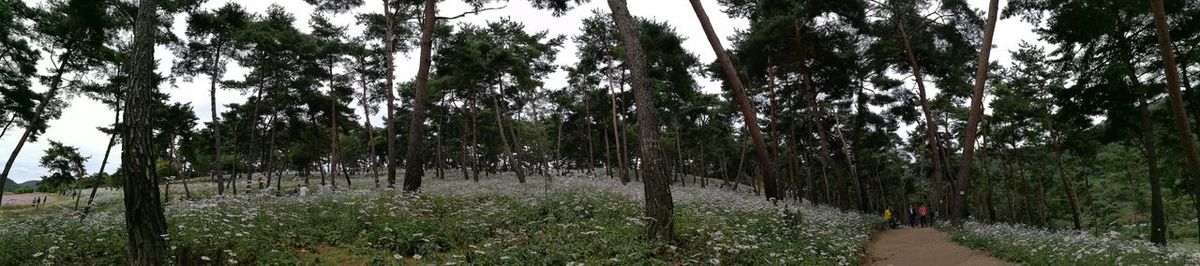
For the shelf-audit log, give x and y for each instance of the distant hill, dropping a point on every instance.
(10, 186)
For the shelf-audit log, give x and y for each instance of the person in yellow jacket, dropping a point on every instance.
(887, 217)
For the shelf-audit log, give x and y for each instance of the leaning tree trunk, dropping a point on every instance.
(144, 221)
(112, 139)
(514, 161)
(415, 167)
(659, 207)
(935, 148)
(391, 98)
(964, 170)
(37, 117)
(1177, 108)
(749, 113)
(1068, 185)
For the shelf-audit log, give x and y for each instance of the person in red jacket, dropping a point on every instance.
(923, 213)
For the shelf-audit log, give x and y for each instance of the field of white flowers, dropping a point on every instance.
(572, 220)
(1035, 246)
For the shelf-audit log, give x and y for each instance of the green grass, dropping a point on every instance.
(456, 222)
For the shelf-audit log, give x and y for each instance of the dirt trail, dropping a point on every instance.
(923, 246)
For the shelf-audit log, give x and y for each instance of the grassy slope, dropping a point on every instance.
(496, 221)
(1036, 246)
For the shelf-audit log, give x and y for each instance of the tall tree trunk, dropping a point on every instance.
(1177, 108)
(931, 135)
(749, 114)
(415, 167)
(462, 139)
(1158, 221)
(514, 161)
(391, 96)
(38, 112)
(112, 139)
(814, 116)
(252, 131)
(475, 156)
(214, 76)
(607, 156)
(989, 200)
(144, 221)
(616, 119)
(271, 147)
(591, 159)
(362, 82)
(659, 207)
(1068, 185)
(964, 170)
(558, 154)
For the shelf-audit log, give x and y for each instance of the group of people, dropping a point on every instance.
(918, 216)
(39, 201)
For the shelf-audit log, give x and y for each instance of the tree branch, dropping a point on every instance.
(476, 11)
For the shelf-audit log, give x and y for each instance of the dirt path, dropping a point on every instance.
(923, 246)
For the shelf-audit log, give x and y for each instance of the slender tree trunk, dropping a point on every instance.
(38, 112)
(112, 139)
(931, 135)
(558, 144)
(1068, 185)
(144, 221)
(7, 124)
(1177, 109)
(214, 76)
(252, 131)
(391, 96)
(362, 82)
(1158, 223)
(476, 157)
(607, 156)
(616, 118)
(964, 170)
(271, 147)
(989, 200)
(749, 114)
(814, 115)
(591, 159)
(514, 161)
(659, 207)
(415, 167)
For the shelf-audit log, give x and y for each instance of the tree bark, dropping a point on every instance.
(749, 113)
(214, 76)
(1177, 108)
(964, 170)
(659, 207)
(144, 221)
(415, 167)
(391, 96)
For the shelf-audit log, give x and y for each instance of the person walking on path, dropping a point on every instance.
(923, 212)
(912, 216)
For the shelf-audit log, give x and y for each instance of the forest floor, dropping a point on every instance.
(923, 246)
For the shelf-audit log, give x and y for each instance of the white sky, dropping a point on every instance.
(77, 126)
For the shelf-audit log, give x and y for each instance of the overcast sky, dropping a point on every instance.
(77, 126)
